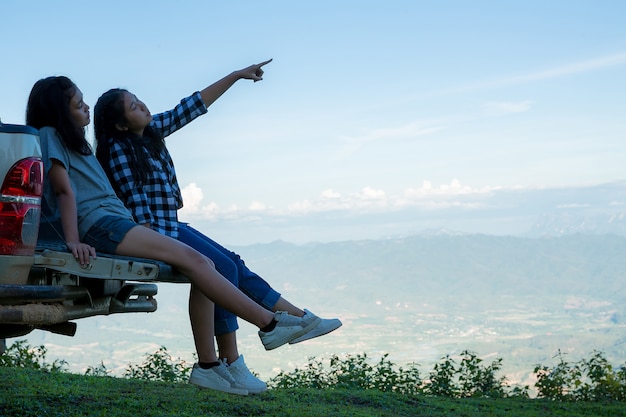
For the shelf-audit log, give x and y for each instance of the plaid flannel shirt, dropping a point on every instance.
(157, 200)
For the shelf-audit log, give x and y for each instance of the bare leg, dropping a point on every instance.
(146, 243)
(284, 305)
(227, 345)
(201, 316)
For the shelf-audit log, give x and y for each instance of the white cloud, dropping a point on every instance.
(330, 195)
(192, 199)
(572, 205)
(444, 196)
(257, 206)
(192, 196)
(330, 200)
(372, 194)
(455, 188)
(367, 199)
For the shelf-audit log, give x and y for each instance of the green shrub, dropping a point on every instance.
(22, 355)
(470, 378)
(592, 379)
(476, 380)
(159, 366)
(351, 372)
(99, 370)
(441, 380)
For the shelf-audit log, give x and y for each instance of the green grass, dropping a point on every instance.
(29, 392)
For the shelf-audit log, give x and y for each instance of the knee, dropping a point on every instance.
(196, 258)
(209, 261)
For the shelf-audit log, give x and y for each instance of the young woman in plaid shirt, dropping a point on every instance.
(132, 151)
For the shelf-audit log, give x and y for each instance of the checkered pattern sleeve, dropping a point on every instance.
(127, 189)
(186, 111)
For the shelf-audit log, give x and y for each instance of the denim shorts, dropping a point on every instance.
(108, 232)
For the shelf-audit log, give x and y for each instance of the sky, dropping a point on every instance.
(372, 116)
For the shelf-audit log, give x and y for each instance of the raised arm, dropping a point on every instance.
(211, 93)
(60, 181)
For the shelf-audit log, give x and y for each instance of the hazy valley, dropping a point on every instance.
(416, 298)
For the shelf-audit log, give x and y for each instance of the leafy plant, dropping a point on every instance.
(99, 370)
(592, 379)
(159, 366)
(603, 383)
(556, 383)
(441, 381)
(386, 378)
(476, 380)
(470, 378)
(312, 375)
(352, 372)
(20, 354)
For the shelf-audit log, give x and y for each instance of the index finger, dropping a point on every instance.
(265, 62)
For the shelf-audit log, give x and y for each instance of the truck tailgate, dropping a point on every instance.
(55, 255)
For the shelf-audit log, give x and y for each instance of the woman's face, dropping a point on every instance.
(137, 115)
(79, 110)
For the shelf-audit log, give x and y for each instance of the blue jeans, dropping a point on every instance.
(231, 266)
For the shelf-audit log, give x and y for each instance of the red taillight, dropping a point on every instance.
(20, 207)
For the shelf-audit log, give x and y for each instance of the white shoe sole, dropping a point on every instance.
(198, 381)
(230, 390)
(317, 332)
(309, 327)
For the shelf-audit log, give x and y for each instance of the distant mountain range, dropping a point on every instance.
(598, 209)
(439, 265)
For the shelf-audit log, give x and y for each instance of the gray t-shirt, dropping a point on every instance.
(95, 197)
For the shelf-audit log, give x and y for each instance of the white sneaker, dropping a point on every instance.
(326, 326)
(217, 378)
(242, 375)
(287, 328)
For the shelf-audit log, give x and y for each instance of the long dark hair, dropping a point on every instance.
(108, 114)
(48, 105)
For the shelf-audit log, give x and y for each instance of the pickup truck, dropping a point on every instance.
(41, 284)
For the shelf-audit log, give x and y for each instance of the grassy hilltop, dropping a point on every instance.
(26, 393)
(352, 386)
